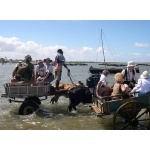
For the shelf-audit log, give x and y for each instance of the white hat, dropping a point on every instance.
(144, 75)
(130, 64)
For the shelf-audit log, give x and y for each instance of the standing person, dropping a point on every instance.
(143, 85)
(129, 75)
(59, 62)
(102, 89)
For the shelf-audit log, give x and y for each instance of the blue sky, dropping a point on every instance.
(123, 40)
(40, 28)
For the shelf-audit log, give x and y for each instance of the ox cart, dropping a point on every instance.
(30, 95)
(131, 113)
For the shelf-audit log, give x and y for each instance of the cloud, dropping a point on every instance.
(14, 48)
(141, 45)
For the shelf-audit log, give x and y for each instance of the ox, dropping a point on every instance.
(79, 95)
(76, 93)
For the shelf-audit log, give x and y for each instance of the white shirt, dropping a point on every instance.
(102, 79)
(49, 68)
(143, 86)
(41, 70)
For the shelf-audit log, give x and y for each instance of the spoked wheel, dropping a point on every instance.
(28, 107)
(132, 116)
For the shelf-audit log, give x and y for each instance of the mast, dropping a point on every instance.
(103, 48)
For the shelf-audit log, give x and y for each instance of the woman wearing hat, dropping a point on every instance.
(129, 75)
(143, 85)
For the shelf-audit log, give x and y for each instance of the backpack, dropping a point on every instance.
(92, 81)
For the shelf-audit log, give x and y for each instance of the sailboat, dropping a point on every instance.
(112, 70)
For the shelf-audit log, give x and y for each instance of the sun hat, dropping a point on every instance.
(130, 64)
(144, 75)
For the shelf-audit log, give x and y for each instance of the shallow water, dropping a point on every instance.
(53, 116)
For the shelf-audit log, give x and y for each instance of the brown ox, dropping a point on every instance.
(64, 89)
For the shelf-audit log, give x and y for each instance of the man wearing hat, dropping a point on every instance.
(143, 85)
(40, 70)
(129, 75)
(29, 73)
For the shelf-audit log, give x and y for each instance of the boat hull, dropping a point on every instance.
(112, 70)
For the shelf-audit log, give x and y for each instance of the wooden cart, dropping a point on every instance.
(31, 95)
(131, 113)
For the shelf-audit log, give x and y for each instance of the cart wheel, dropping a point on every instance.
(27, 108)
(34, 99)
(132, 115)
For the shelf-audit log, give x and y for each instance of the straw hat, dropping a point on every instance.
(118, 77)
(130, 64)
(144, 75)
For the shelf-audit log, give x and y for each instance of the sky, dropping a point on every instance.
(40, 31)
(123, 40)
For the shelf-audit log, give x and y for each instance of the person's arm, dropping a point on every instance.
(98, 88)
(137, 86)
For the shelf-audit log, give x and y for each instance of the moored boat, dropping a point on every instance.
(112, 70)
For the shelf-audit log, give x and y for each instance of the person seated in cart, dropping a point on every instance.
(40, 71)
(25, 72)
(29, 74)
(44, 72)
(143, 85)
(15, 76)
(102, 89)
(120, 90)
(49, 70)
(129, 75)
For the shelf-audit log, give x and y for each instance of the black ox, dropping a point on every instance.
(79, 95)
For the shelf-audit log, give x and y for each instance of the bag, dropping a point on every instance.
(92, 81)
(50, 75)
